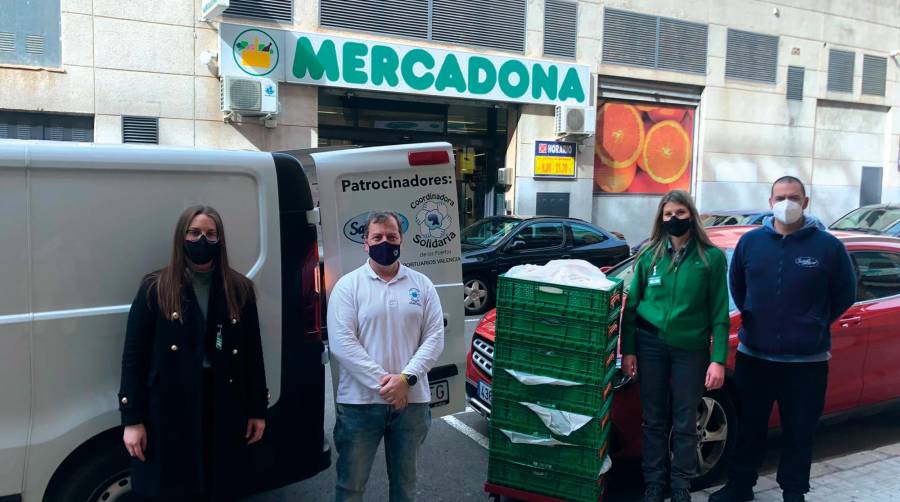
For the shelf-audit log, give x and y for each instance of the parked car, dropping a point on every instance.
(863, 373)
(724, 218)
(493, 245)
(875, 219)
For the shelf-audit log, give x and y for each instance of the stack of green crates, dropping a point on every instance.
(568, 333)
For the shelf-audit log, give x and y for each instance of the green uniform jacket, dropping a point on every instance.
(687, 303)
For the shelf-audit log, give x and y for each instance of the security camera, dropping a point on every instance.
(208, 57)
(895, 53)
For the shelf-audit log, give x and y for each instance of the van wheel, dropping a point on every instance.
(477, 295)
(716, 437)
(104, 476)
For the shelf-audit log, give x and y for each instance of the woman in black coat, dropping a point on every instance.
(193, 392)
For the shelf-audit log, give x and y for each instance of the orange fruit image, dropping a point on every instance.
(660, 113)
(622, 133)
(667, 152)
(682, 183)
(644, 184)
(613, 180)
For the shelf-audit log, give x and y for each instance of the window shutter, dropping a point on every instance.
(629, 38)
(795, 83)
(403, 18)
(840, 70)
(46, 126)
(269, 10)
(751, 56)
(140, 130)
(874, 75)
(682, 46)
(30, 33)
(495, 24)
(560, 28)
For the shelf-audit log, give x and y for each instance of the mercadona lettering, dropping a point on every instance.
(418, 69)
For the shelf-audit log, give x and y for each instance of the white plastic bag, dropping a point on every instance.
(561, 423)
(520, 438)
(565, 272)
(532, 379)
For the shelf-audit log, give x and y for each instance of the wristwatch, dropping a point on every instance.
(410, 379)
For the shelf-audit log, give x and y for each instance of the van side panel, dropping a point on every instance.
(14, 326)
(101, 218)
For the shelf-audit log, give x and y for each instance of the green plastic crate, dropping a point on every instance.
(558, 300)
(584, 399)
(552, 484)
(554, 361)
(508, 413)
(575, 460)
(587, 336)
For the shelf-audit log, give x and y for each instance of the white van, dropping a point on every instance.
(80, 224)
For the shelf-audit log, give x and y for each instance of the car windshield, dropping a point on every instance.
(717, 220)
(624, 271)
(485, 232)
(868, 219)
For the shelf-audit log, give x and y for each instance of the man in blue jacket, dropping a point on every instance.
(790, 279)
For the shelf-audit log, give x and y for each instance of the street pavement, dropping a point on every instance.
(856, 460)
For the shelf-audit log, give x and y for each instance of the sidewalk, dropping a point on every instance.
(869, 476)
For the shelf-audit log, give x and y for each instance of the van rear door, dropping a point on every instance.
(418, 182)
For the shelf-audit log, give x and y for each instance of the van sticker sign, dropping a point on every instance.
(390, 182)
(355, 228)
(326, 60)
(433, 221)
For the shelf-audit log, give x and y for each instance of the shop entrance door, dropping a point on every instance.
(477, 133)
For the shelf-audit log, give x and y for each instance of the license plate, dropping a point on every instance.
(484, 392)
(440, 393)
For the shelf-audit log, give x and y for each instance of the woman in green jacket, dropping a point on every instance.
(677, 307)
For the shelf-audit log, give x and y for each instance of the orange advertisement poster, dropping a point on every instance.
(643, 149)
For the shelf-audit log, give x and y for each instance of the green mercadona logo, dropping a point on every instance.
(378, 66)
(255, 52)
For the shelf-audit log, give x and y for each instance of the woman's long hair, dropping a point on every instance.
(170, 282)
(659, 237)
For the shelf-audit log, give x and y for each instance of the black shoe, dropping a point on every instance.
(793, 497)
(654, 493)
(731, 493)
(681, 495)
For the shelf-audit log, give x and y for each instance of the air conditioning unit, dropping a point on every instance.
(575, 120)
(249, 96)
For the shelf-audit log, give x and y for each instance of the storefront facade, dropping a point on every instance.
(719, 99)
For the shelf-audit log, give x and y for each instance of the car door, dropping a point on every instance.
(589, 244)
(879, 310)
(536, 244)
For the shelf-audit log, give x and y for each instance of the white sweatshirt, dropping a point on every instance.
(377, 328)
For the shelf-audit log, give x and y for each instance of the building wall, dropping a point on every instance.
(142, 58)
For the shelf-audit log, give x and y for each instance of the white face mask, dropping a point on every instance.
(787, 211)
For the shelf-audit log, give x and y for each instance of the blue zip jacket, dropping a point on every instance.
(789, 289)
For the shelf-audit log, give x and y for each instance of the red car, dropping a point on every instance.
(864, 369)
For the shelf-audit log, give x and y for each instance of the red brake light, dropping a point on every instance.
(311, 295)
(429, 158)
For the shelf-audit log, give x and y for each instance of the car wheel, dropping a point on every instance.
(716, 437)
(477, 295)
(105, 476)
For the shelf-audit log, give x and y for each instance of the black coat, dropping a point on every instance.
(162, 388)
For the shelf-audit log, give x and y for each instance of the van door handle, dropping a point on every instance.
(846, 322)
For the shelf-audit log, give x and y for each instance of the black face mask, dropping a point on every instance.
(677, 226)
(384, 253)
(201, 251)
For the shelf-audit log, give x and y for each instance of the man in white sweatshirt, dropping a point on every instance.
(386, 331)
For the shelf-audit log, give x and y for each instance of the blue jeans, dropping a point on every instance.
(357, 434)
(671, 381)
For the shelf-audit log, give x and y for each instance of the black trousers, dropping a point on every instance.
(671, 381)
(799, 389)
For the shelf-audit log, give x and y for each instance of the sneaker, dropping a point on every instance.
(681, 495)
(654, 493)
(793, 497)
(731, 493)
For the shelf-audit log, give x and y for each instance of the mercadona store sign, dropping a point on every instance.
(319, 59)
